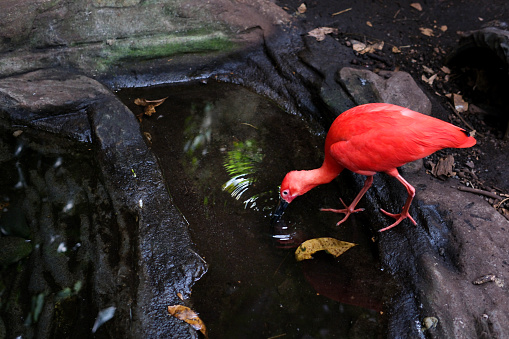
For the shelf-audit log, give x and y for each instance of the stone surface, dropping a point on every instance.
(461, 239)
(398, 88)
(116, 201)
(118, 197)
(93, 35)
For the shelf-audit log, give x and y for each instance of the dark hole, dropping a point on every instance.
(483, 79)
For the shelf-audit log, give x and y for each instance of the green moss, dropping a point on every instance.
(163, 46)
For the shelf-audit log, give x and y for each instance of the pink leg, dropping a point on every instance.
(351, 209)
(404, 212)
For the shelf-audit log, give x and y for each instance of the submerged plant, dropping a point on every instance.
(240, 163)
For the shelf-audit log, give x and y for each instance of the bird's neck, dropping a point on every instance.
(323, 175)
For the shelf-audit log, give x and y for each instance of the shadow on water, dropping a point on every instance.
(224, 151)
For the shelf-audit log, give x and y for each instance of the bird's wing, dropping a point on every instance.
(388, 137)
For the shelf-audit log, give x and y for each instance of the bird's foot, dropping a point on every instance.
(347, 211)
(399, 218)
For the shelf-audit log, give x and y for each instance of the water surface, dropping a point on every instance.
(224, 151)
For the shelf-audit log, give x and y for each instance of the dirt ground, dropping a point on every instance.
(420, 37)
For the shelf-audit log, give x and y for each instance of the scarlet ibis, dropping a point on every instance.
(373, 138)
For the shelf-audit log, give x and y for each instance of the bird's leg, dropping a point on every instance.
(404, 212)
(351, 209)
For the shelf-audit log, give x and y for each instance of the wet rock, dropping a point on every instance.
(13, 249)
(137, 190)
(92, 35)
(13, 223)
(51, 100)
(98, 211)
(398, 88)
(452, 251)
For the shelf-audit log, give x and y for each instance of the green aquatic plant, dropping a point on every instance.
(241, 164)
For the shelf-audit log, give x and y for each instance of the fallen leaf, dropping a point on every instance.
(395, 49)
(444, 167)
(426, 31)
(427, 69)
(445, 69)
(484, 279)
(429, 323)
(429, 80)
(369, 23)
(460, 105)
(443, 28)
(149, 105)
(320, 32)
(330, 245)
(189, 316)
(417, 6)
(148, 136)
(362, 48)
(145, 102)
(302, 8)
(358, 46)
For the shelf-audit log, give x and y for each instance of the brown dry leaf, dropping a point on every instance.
(429, 80)
(149, 139)
(460, 105)
(330, 245)
(302, 8)
(149, 105)
(369, 23)
(362, 48)
(320, 32)
(427, 69)
(426, 31)
(417, 6)
(445, 69)
(395, 50)
(444, 167)
(145, 102)
(443, 28)
(189, 316)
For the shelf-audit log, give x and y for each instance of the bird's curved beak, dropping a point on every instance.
(280, 209)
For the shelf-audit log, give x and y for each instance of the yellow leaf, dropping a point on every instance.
(189, 316)
(330, 245)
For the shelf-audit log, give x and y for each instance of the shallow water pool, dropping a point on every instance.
(224, 150)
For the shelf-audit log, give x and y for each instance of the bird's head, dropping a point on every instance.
(291, 188)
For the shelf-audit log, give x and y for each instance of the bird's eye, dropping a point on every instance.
(285, 192)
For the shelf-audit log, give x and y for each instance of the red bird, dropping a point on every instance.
(374, 138)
